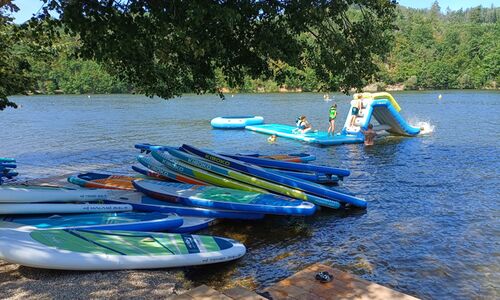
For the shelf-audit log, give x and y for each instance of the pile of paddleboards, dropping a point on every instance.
(146, 220)
(95, 229)
(251, 173)
(7, 166)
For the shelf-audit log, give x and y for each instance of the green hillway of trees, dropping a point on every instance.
(431, 50)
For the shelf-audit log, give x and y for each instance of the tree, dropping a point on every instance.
(166, 48)
(435, 10)
(12, 69)
(17, 45)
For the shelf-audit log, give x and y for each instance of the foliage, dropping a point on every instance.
(459, 49)
(13, 68)
(166, 48)
(63, 72)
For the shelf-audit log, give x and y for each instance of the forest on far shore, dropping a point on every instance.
(430, 50)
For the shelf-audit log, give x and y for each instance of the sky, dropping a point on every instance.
(29, 7)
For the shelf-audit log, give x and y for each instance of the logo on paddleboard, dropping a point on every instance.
(217, 159)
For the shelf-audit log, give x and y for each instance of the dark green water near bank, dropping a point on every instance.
(432, 227)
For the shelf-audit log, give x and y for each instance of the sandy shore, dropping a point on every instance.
(19, 282)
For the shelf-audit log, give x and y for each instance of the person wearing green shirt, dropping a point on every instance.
(331, 119)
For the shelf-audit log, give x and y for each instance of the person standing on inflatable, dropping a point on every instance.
(355, 111)
(331, 118)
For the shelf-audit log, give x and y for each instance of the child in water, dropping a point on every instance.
(370, 135)
(331, 118)
(272, 139)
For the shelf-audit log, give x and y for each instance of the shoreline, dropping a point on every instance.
(275, 92)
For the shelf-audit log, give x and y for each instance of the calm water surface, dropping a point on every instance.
(432, 227)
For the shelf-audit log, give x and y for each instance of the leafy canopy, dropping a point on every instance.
(166, 48)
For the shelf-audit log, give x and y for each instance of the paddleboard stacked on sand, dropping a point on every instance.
(50, 200)
(113, 250)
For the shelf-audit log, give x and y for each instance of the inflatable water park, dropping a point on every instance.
(378, 109)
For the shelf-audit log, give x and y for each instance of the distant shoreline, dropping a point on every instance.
(271, 92)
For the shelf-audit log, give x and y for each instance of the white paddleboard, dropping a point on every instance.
(33, 194)
(113, 250)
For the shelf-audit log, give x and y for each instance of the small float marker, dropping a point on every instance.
(440, 96)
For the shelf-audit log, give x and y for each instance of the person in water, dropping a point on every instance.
(370, 135)
(331, 118)
(304, 125)
(272, 139)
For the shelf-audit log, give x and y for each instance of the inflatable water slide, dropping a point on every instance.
(379, 109)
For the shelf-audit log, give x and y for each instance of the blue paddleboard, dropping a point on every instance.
(133, 221)
(225, 198)
(145, 203)
(309, 176)
(291, 166)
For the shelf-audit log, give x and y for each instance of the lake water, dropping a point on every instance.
(432, 227)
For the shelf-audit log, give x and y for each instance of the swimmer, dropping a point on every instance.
(272, 139)
(370, 135)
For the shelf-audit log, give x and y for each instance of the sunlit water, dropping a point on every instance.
(432, 226)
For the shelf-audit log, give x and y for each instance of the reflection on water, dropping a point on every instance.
(432, 226)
